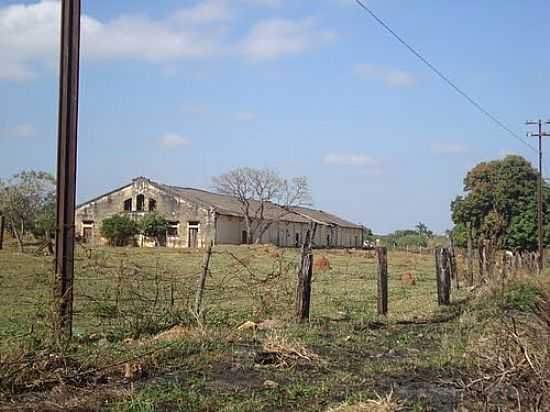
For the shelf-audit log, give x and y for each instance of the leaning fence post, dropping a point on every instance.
(382, 266)
(305, 273)
(443, 276)
(202, 279)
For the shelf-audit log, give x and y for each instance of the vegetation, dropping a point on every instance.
(499, 205)
(420, 236)
(119, 230)
(137, 347)
(153, 226)
(257, 190)
(27, 200)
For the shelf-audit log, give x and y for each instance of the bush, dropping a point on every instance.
(119, 230)
(521, 297)
(153, 225)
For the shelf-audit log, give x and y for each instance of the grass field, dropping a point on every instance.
(139, 348)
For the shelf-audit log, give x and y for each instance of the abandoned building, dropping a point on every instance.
(196, 217)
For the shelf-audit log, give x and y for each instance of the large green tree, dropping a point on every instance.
(499, 204)
(27, 200)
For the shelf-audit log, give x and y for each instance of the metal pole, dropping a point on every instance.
(540, 195)
(66, 165)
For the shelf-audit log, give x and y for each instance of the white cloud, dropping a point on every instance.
(22, 131)
(270, 39)
(29, 36)
(246, 116)
(351, 160)
(174, 140)
(448, 148)
(205, 12)
(390, 77)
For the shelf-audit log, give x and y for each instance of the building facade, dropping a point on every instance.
(196, 217)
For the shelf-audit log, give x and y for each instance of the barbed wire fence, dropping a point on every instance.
(122, 294)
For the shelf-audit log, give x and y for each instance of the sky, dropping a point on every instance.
(183, 90)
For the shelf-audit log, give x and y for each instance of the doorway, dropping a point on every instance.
(193, 235)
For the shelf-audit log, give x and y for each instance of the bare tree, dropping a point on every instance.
(265, 198)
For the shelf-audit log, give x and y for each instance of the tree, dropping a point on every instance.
(258, 190)
(153, 225)
(27, 201)
(119, 229)
(499, 204)
(423, 230)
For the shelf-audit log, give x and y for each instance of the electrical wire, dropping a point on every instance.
(445, 78)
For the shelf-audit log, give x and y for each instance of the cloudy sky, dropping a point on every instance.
(183, 90)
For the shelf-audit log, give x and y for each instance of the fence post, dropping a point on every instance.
(305, 272)
(2, 231)
(443, 276)
(382, 266)
(470, 255)
(202, 279)
(452, 265)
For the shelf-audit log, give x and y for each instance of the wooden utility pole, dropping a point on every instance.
(382, 266)
(540, 196)
(66, 167)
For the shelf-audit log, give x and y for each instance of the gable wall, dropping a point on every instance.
(170, 207)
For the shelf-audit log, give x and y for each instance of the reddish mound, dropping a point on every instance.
(321, 263)
(408, 279)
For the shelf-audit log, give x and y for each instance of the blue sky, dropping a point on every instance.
(181, 91)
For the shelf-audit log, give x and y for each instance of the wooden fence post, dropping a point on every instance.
(202, 279)
(2, 231)
(470, 256)
(452, 265)
(305, 272)
(382, 260)
(443, 276)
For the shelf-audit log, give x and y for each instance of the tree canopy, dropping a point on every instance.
(27, 200)
(499, 204)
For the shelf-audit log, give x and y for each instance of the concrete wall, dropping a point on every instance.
(221, 229)
(172, 208)
(229, 230)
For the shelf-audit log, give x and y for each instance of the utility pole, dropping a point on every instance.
(66, 167)
(540, 197)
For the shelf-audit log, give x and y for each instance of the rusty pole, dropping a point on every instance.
(540, 196)
(66, 166)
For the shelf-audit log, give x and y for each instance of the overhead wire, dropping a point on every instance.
(444, 77)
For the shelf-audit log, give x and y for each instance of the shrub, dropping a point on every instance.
(153, 225)
(119, 230)
(521, 297)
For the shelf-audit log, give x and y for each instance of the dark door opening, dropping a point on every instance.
(193, 235)
(244, 238)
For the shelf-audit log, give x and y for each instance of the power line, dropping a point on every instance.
(446, 79)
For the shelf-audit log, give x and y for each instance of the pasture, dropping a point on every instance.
(138, 347)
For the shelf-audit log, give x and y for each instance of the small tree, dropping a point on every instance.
(119, 230)
(259, 189)
(153, 225)
(27, 200)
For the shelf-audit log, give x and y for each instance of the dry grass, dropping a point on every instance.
(285, 351)
(386, 403)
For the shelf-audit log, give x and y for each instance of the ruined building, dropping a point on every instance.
(197, 217)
